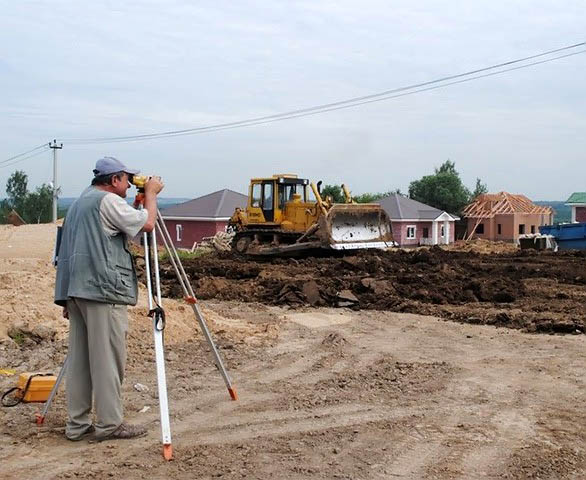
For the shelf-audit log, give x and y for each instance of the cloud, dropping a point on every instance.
(78, 69)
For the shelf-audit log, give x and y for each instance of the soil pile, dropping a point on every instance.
(537, 291)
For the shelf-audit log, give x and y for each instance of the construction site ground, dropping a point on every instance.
(436, 363)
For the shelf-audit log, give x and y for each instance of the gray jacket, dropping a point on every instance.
(93, 265)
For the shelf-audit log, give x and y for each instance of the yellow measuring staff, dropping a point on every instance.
(7, 371)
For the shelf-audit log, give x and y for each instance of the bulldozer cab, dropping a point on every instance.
(268, 197)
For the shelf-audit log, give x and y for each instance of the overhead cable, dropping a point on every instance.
(376, 97)
(22, 159)
(23, 153)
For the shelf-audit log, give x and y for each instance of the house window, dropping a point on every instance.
(179, 230)
(499, 228)
(442, 231)
(411, 231)
(521, 228)
(532, 228)
(480, 228)
(425, 232)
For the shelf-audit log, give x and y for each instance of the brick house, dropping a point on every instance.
(578, 203)
(504, 216)
(414, 223)
(189, 222)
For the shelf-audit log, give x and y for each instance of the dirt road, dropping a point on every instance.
(324, 393)
(339, 395)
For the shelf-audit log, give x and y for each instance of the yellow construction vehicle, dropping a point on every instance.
(286, 214)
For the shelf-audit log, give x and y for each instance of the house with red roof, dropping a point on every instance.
(189, 222)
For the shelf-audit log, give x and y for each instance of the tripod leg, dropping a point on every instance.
(190, 298)
(158, 326)
(215, 353)
(41, 416)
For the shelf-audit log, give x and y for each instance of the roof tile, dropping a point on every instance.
(220, 204)
(577, 197)
(399, 207)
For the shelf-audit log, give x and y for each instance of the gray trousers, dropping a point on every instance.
(97, 358)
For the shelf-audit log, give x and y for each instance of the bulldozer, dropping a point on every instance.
(286, 214)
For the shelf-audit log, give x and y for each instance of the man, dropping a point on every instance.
(95, 282)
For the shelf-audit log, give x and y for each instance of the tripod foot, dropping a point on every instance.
(233, 394)
(167, 451)
(39, 419)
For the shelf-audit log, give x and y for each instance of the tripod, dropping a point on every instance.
(157, 314)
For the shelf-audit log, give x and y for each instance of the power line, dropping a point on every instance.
(23, 153)
(253, 122)
(381, 96)
(3, 164)
(349, 103)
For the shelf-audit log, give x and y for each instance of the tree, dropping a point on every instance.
(443, 190)
(33, 207)
(333, 191)
(368, 197)
(39, 205)
(480, 189)
(16, 189)
(4, 210)
(373, 197)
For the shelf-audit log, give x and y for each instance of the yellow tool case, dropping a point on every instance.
(31, 387)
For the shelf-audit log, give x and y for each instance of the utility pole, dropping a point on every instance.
(55, 147)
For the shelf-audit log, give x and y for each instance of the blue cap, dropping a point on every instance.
(108, 165)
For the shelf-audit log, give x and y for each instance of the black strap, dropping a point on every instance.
(19, 398)
(158, 316)
(157, 313)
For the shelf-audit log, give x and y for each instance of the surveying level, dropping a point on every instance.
(139, 181)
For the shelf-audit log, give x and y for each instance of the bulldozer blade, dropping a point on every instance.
(356, 226)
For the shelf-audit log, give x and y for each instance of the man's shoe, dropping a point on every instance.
(85, 435)
(123, 432)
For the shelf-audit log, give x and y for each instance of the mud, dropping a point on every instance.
(348, 393)
(534, 291)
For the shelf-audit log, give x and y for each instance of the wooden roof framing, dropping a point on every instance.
(503, 203)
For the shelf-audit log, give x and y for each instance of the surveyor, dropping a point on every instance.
(95, 282)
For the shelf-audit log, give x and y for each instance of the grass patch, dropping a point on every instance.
(18, 337)
(186, 255)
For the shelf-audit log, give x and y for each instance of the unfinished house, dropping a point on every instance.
(503, 216)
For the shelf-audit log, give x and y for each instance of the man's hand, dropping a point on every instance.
(65, 312)
(151, 190)
(153, 186)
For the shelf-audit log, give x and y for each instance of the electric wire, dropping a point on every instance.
(4, 165)
(252, 123)
(23, 153)
(349, 103)
(381, 96)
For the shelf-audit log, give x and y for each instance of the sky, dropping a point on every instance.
(71, 70)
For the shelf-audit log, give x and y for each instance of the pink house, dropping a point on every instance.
(188, 223)
(415, 223)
